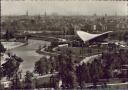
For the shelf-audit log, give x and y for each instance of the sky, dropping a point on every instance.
(62, 7)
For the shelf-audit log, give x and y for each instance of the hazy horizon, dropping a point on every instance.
(66, 8)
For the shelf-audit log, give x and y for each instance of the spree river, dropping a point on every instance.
(28, 53)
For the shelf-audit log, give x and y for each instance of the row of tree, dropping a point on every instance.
(73, 75)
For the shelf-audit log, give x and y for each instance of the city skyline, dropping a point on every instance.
(64, 7)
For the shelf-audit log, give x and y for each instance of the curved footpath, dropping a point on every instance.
(44, 52)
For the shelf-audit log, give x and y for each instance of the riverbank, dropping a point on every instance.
(9, 46)
(12, 45)
(27, 51)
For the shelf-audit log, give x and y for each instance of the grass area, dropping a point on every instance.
(85, 51)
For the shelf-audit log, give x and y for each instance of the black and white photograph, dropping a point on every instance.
(64, 44)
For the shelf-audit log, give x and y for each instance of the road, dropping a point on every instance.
(89, 59)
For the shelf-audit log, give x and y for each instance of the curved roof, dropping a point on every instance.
(87, 36)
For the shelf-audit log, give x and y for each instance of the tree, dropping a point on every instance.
(95, 71)
(2, 49)
(41, 66)
(16, 83)
(1, 72)
(8, 35)
(28, 83)
(14, 62)
(125, 37)
(67, 71)
(83, 74)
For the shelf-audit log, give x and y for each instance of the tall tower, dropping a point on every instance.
(116, 14)
(27, 13)
(45, 13)
(94, 14)
(105, 15)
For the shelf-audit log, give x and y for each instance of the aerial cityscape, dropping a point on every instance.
(58, 51)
